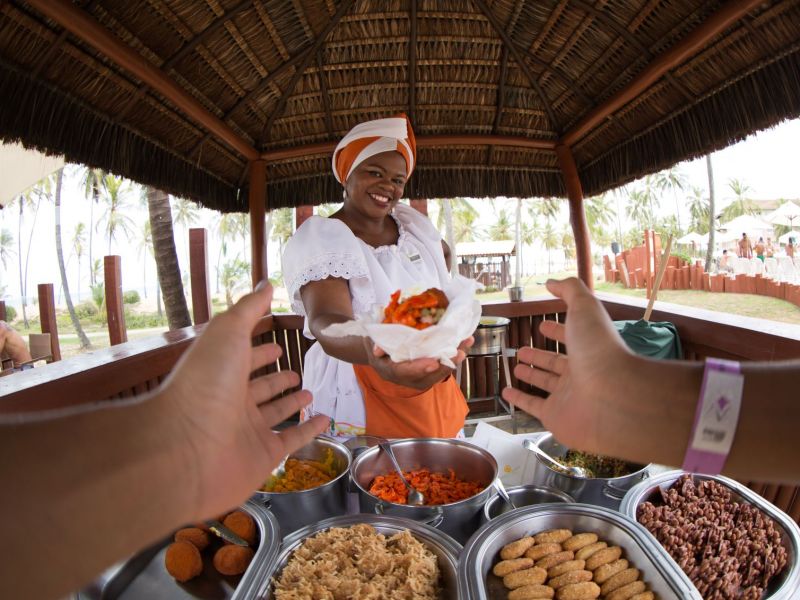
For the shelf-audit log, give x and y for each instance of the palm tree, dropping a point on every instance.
(639, 208)
(184, 213)
(672, 179)
(698, 210)
(92, 182)
(169, 273)
(653, 200)
(447, 210)
(242, 221)
(282, 227)
(502, 228)
(550, 240)
(235, 276)
(598, 218)
(62, 267)
(741, 204)
(6, 247)
(30, 199)
(77, 245)
(226, 227)
(711, 215)
(145, 248)
(115, 192)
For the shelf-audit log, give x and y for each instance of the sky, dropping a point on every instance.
(768, 162)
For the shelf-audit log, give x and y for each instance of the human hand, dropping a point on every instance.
(225, 418)
(12, 344)
(579, 408)
(420, 373)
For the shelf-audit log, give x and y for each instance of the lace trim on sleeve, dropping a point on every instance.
(343, 266)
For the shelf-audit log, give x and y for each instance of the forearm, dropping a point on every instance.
(105, 485)
(350, 349)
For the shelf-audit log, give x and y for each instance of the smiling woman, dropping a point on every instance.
(340, 266)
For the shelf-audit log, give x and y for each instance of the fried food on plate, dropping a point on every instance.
(233, 560)
(183, 561)
(194, 535)
(419, 311)
(243, 525)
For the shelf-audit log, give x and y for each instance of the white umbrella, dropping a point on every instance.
(787, 213)
(693, 238)
(752, 226)
(20, 168)
(784, 239)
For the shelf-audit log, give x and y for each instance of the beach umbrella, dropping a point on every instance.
(787, 213)
(752, 226)
(693, 238)
(20, 168)
(784, 239)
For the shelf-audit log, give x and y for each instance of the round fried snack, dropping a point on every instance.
(626, 592)
(552, 536)
(532, 576)
(194, 535)
(602, 557)
(551, 560)
(617, 581)
(569, 578)
(644, 596)
(233, 560)
(517, 548)
(586, 590)
(605, 572)
(183, 561)
(242, 525)
(565, 567)
(578, 541)
(542, 550)
(532, 592)
(585, 552)
(504, 567)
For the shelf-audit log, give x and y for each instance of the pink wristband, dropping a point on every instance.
(716, 417)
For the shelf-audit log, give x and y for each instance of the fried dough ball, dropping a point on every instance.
(233, 560)
(194, 535)
(242, 525)
(183, 561)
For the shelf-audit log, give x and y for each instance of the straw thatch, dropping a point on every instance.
(287, 73)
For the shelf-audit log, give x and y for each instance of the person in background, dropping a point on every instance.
(769, 252)
(607, 400)
(724, 262)
(88, 487)
(759, 249)
(790, 248)
(12, 345)
(340, 266)
(745, 248)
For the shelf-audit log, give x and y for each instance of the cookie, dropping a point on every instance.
(532, 592)
(587, 590)
(504, 567)
(626, 592)
(602, 557)
(578, 541)
(532, 576)
(585, 552)
(617, 581)
(517, 548)
(553, 536)
(564, 567)
(541, 550)
(568, 578)
(604, 572)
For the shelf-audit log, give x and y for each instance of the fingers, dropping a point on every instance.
(281, 409)
(267, 387)
(544, 380)
(533, 405)
(294, 438)
(554, 331)
(570, 289)
(253, 306)
(543, 359)
(264, 355)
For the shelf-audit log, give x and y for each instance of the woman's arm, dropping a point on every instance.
(607, 400)
(448, 256)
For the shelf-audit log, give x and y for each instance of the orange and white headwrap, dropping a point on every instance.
(371, 138)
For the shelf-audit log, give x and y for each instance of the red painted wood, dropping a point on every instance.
(112, 268)
(198, 267)
(301, 214)
(47, 317)
(257, 201)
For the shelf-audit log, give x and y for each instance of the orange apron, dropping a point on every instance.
(397, 411)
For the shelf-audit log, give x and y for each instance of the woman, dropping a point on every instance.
(337, 267)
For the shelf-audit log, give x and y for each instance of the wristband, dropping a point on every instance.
(716, 417)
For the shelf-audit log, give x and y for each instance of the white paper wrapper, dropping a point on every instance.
(516, 464)
(440, 341)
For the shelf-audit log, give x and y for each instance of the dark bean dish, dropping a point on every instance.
(598, 466)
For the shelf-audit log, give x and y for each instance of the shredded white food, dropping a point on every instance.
(343, 563)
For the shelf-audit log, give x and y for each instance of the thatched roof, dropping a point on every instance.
(282, 74)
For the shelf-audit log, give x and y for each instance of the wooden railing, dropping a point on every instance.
(137, 367)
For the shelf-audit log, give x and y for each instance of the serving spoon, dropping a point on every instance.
(553, 463)
(415, 497)
(501, 489)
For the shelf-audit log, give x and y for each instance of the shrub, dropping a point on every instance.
(11, 313)
(144, 320)
(86, 309)
(280, 309)
(130, 297)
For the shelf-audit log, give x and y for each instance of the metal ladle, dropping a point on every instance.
(501, 489)
(553, 463)
(415, 498)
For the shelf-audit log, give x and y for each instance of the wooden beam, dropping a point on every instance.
(577, 217)
(412, 60)
(662, 64)
(84, 27)
(423, 141)
(3, 316)
(112, 274)
(47, 317)
(323, 91)
(258, 211)
(198, 269)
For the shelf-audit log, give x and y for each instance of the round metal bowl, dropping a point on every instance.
(489, 336)
(523, 495)
(298, 509)
(458, 519)
(602, 491)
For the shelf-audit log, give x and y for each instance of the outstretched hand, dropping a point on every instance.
(226, 418)
(420, 373)
(575, 410)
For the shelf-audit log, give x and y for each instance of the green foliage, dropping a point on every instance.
(98, 294)
(85, 310)
(11, 313)
(276, 279)
(280, 309)
(487, 289)
(144, 320)
(130, 297)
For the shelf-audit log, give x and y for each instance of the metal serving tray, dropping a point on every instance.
(145, 577)
(659, 571)
(442, 545)
(784, 587)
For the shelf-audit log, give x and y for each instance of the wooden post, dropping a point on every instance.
(198, 269)
(47, 317)
(3, 311)
(421, 204)
(577, 217)
(649, 252)
(301, 214)
(258, 210)
(112, 273)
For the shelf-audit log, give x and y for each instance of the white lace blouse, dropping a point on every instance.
(323, 248)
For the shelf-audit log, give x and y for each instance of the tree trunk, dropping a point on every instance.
(711, 210)
(28, 253)
(517, 245)
(85, 344)
(169, 274)
(158, 298)
(19, 257)
(144, 273)
(91, 227)
(448, 228)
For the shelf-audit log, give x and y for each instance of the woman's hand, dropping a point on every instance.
(420, 373)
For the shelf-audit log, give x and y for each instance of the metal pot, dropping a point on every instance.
(489, 336)
(523, 495)
(458, 519)
(515, 293)
(601, 491)
(298, 509)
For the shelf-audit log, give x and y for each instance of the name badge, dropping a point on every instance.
(414, 258)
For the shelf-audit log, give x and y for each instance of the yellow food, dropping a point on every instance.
(302, 474)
